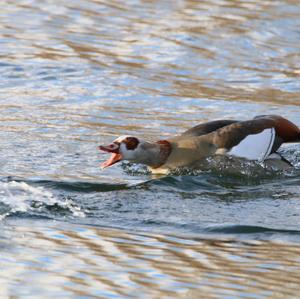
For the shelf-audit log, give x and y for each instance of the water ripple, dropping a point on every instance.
(158, 265)
(77, 74)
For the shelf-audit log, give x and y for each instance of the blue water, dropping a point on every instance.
(76, 75)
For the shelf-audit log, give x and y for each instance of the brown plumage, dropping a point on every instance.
(257, 138)
(233, 134)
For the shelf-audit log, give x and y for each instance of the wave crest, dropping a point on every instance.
(19, 197)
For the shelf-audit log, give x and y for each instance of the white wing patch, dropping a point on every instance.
(256, 146)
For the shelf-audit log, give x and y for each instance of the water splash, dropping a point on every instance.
(135, 169)
(226, 166)
(19, 197)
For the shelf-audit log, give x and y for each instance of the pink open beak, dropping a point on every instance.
(115, 155)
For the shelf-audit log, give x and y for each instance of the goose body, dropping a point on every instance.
(255, 139)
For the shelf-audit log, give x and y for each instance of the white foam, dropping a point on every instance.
(19, 196)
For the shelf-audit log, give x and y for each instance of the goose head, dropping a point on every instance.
(134, 150)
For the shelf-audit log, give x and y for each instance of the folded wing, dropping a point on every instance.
(257, 138)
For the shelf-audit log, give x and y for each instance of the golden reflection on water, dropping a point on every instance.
(61, 260)
(77, 73)
(207, 49)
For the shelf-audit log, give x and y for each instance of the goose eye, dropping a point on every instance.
(131, 143)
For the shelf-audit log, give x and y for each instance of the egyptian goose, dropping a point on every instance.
(255, 139)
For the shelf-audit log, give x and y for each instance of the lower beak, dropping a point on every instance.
(114, 158)
(115, 155)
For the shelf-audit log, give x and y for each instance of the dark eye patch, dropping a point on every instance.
(131, 143)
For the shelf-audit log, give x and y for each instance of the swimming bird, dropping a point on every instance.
(255, 139)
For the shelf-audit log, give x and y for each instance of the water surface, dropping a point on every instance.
(74, 75)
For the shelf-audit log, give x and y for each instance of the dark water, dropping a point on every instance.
(75, 74)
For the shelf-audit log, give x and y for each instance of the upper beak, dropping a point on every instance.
(112, 148)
